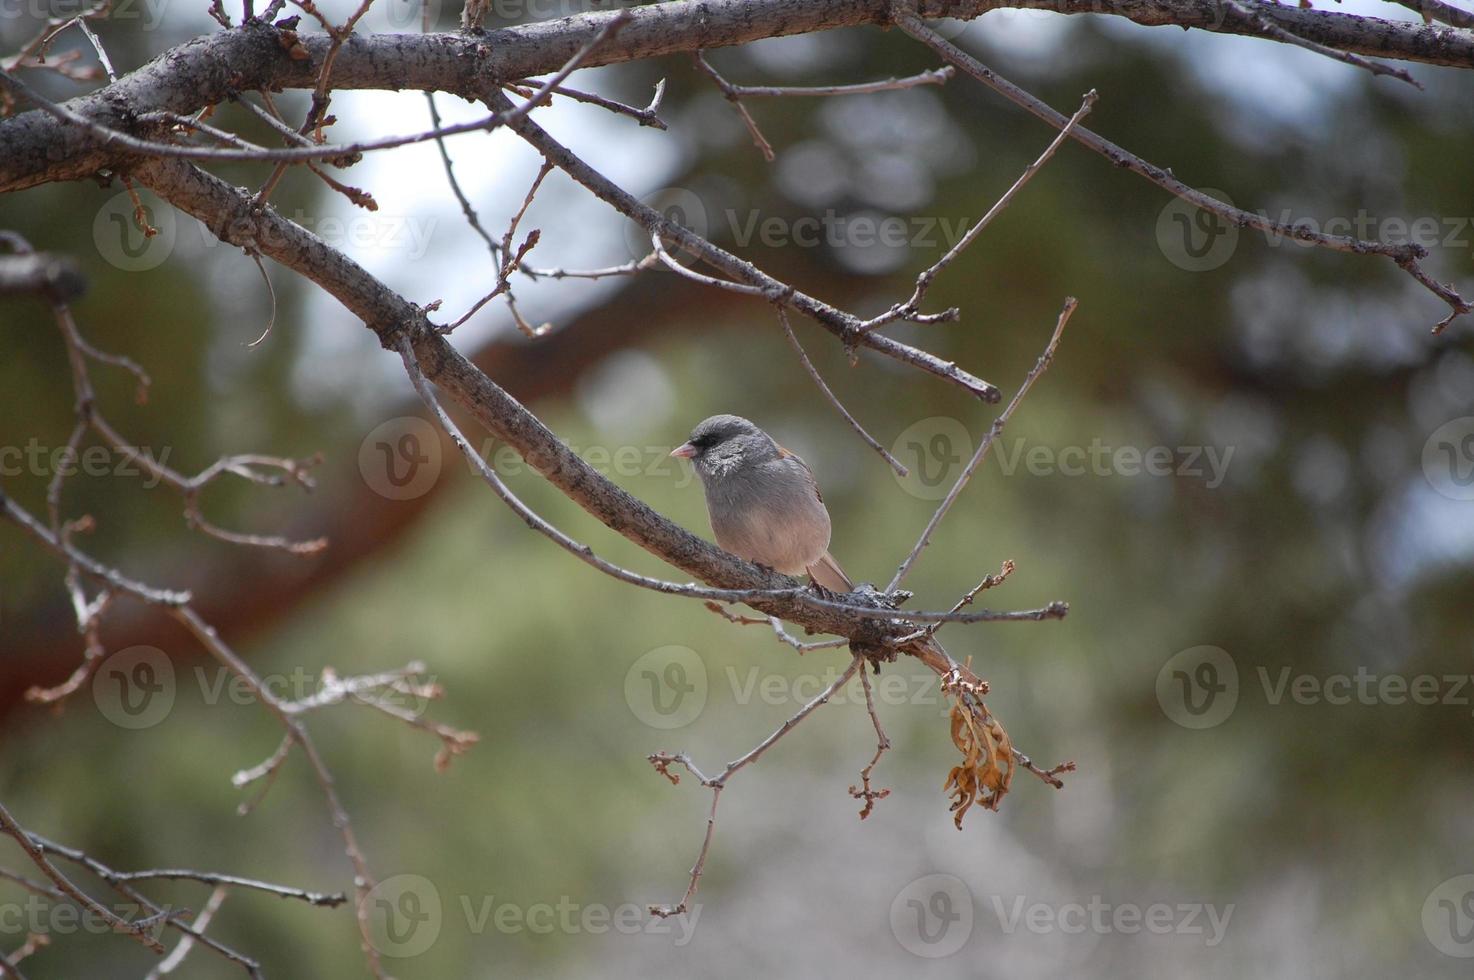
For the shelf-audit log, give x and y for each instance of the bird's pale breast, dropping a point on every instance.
(770, 514)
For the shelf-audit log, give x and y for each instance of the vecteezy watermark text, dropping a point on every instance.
(34, 459)
(668, 687)
(835, 230)
(1102, 917)
(136, 688)
(406, 913)
(935, 451)
(401, 459)
(933, 916)
(1198, 240)
(1199, 688)
(36, 915)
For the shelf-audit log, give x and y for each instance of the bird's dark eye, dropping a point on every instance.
(704, 442)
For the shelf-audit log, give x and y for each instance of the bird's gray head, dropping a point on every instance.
(722, 443)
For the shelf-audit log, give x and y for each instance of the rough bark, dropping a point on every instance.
(36, 147)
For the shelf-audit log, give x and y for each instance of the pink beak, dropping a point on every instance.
(684, 451)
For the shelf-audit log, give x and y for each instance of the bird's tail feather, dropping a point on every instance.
(826, 572)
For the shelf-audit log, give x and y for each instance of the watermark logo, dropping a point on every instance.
(627, 461)
(402, 16)
(1448, 917)
(1195, 240)
(122, 239)
(403, 915)
(892, 689)
(1448, 459)
(1103, 917)
(680, 206)
(666, 687)
(1185, 462)
(934, 451)
(135, 687)
(570, 918)
(150, 12)
(136, 237)
(1199, 687)
(932, 917)
(95, 461)
(400, 458)
(835, 230)
(1198, 240)
(38, 915)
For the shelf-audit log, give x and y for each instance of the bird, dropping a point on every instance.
(763, 501)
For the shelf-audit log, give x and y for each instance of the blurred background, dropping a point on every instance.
(1248, 471)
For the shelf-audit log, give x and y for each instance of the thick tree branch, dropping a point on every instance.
(39, 148)
(226, 211)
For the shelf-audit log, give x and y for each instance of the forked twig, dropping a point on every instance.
(662, 761)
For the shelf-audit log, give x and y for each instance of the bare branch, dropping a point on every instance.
(813, 372)
(882, 743)
(1439, 10)
(778, 631)
(911, 307)
(729, 91)
(662, 761)
(34, 887)
(188, 78)
(37, 854)
(982, 451)
(1247, 11)
(744, 275)
(186, 943)
(248, 467)
(621, 17)
(648, 116)
(937, 76)
(1405, 255)
(176, 605)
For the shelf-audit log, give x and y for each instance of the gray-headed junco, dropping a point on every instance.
(763, 501)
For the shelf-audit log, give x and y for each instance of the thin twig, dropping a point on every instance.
(246, 151)
(937, 76)
(248, 467)
(986, 443)
(63, 884)
(843, 325)
(34, 887)
(1439, 10)
(647, 116)
(912, 306)
(813, 372)
(1246, 11)
(662, 761)
(779, 632)
(882, 742)
(186, 943)
(1406, 255)
(271, 294)
(729, 91)
(510, 261)
(176, 605)
(157, 915)
(622, 16)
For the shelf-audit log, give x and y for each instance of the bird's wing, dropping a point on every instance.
(790, 454)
